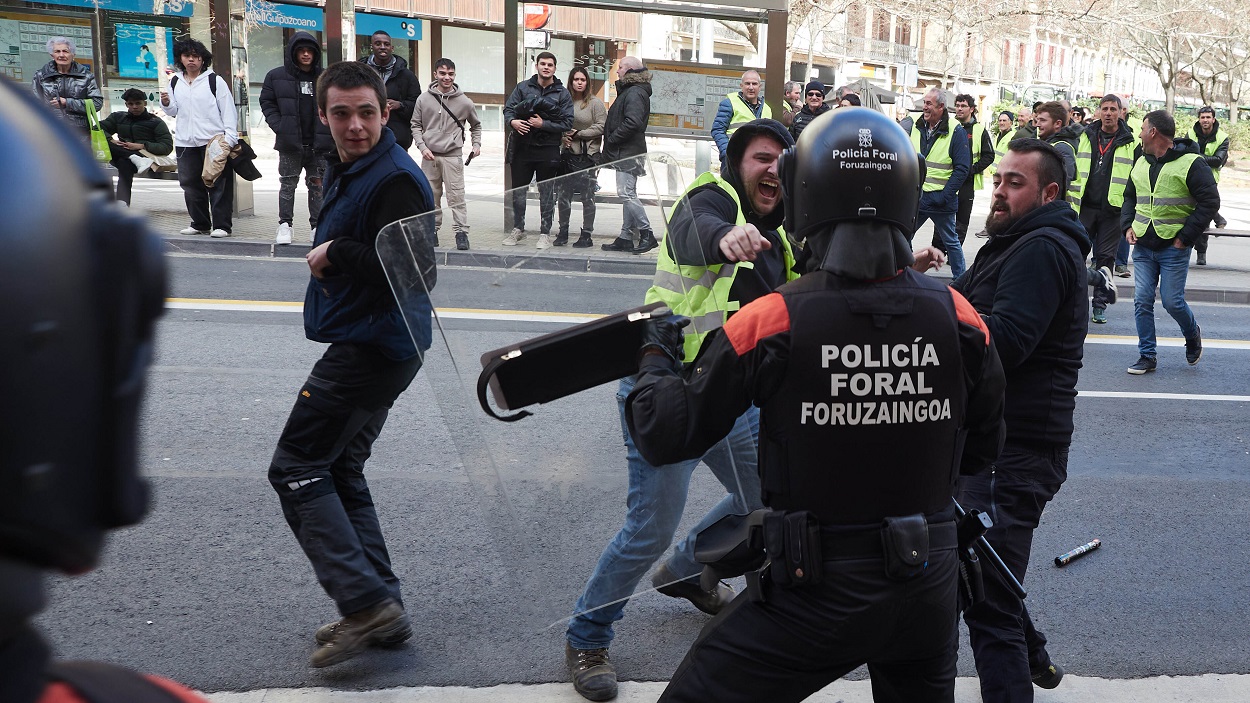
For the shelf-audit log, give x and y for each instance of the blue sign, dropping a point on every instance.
(177, 8)
(272, 14)
(136, 44)
(399, 28)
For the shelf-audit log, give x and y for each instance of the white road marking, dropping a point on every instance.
(1163, 396)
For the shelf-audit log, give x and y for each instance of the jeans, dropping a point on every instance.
(1013, 493)
(633, 215)
(944, 229)
(209, 208)
(290, 163)
(581, 183)
(525, 169)
(657, 497)
(1167, 270)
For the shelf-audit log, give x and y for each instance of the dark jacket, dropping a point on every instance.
(1220, 157)
(146, 129)
(553, 103)
(947, 199)
(75, 86)
(402, 86)
(353, 302)
(1097, 184)
(1028, 283)
(968, 191)
(288, 100)
(804, 117)
(1201, 184)
(1067, 151)
(625, 132)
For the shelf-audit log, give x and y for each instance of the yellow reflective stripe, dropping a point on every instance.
(680, 282)
(935, 165)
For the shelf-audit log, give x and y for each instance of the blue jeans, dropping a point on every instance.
(1122, 252)
(657, 497)
(1167, 270)
(944, 228)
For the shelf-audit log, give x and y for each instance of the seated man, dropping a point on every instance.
(136, 129)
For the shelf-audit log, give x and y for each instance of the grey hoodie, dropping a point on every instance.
(434, 129)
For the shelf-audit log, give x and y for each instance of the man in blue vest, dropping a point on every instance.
(318, 466)
(736, 110)
(948, 159)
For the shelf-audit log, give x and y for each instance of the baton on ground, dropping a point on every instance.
(987, 551)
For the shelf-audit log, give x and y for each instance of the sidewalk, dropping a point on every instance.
(1225, 280)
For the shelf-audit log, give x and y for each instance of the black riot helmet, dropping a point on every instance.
(851, 187)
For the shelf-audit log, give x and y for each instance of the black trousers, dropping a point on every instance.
(803, 638)
(318, 471)
(126, 171)
(209, 208)
(1005, 644)
(525, 167)
(1103, 226)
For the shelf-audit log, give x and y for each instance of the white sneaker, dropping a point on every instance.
(219, 234)
(544, 241)
(284, 233)
(516, 235)
(141, 163)
(191, 230)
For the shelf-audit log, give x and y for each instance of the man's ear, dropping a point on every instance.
(1050, 192)
(322, 114)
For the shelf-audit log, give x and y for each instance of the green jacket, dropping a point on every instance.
(147, 129)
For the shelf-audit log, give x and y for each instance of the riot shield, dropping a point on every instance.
(548, 490)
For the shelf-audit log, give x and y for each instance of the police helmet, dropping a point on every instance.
(855, 176)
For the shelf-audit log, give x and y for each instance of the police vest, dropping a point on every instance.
(1000, 149)
(866, 422)
(938, 164)
(978, 130)
(743, 113)
(1169, 203)
(1121, 166)
(1210, 147)
(702, 292)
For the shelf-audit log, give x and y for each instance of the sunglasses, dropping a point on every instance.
(814, 94)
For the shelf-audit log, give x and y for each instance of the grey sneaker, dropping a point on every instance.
(710, 602)
(544, 241)
(516, 235)
(1121, 271)
(1143, 365)
(593, 674)
(359, 630)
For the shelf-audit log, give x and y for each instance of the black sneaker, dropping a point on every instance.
(1193, 348)
(619, 244)
(593, 675)
(1202, 258)
(1049, 677)
(462, 241)
(710, 602)
(1145, 364)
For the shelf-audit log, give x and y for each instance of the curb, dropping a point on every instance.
(638, 265)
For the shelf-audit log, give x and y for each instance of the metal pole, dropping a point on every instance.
(775, 61)
(511, 59)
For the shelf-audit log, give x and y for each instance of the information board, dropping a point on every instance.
(24, 38)
(685, 96)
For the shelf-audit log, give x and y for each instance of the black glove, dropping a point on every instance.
(662, 331)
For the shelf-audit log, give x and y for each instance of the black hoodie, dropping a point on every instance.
(289, 102)
(1029, 285)
(1200, 181)
(703, 217)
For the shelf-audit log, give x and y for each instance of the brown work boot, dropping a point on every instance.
(349, 636)
(400, 634)
(594, 677)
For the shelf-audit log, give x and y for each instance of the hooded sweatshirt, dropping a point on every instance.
(1028, 284)
(289, 102)
(434, 128)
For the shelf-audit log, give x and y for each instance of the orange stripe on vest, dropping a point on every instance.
(761, 318)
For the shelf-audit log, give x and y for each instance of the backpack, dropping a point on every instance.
(212, 83)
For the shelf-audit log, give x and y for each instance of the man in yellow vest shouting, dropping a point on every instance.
(948, 159)
(738, 109)
(1170, 199)
(724, 248)
(1213, 147)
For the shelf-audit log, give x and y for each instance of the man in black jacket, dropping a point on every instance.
(539, 111)
(136, 129)
(1028, 283)
(288, 100)
(625, 137)
(813, 106)
(1213, 146)
(402, 86)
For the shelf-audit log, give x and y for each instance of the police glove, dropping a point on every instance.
(662, 335)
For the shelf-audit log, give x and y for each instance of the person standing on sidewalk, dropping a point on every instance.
(539, 111)
(67, 85)
(1170, 199)
(1213, 145)
(137, 130)
(718, 223)
(289, 102)
(625, 137)
(794, 102)
(579, 151)
(738, 109)
(318, 466)
(981, 159)
(943, 143)
(402, 86)
(438, 128)
(814, 106)
(1028, 285)
(204, 108)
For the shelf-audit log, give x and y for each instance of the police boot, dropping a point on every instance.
(361, 629)
(646, 242)
(593, 674)
(710, 602)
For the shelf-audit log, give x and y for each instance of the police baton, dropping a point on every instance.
(983, 547)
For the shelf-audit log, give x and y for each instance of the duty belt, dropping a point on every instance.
(837, 545)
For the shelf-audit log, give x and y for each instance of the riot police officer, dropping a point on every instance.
(877, 386)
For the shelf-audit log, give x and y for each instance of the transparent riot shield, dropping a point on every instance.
(563, 522)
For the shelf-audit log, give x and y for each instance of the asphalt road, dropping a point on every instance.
(212, 589)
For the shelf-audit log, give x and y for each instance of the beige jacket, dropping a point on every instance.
(434, 129)
(588, 121)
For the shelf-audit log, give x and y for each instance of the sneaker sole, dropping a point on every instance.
(1196, 359)
(1140, 372)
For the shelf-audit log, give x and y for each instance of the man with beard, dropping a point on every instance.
(794, 102)
(1213, 145)
(814, 107)
(1028, 283)
(538, 112)
(1049, 120)
(402, 86)
(719, 222)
